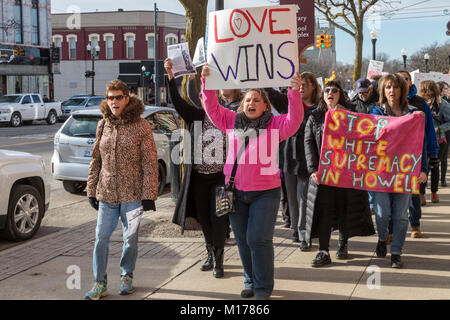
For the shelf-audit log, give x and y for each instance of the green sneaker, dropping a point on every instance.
(97, 292)
(126, 285)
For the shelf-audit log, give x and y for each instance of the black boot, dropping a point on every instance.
(208, 265)
(218, 263)
(342, 252)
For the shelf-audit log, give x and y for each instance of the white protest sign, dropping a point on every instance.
(181, 59)
(133, 220)
(417, 77)
(252, 47)
(199, 55)
(375, 68)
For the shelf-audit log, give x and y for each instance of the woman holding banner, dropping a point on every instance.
(257, 183)
(393, 102)
(196, 198)
(342, 208)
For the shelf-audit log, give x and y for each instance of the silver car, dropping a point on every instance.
(77, 103)
(74, 142)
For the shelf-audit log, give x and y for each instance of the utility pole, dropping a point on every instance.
(156, 77)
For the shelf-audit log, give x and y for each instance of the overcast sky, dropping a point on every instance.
(409, 24)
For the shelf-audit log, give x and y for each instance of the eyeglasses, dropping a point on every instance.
(405, 78)
(333, 90)
(118, 98)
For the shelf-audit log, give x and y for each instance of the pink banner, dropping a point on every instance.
(373, 153)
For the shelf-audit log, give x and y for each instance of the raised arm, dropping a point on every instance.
(221, 117)
(187, 112)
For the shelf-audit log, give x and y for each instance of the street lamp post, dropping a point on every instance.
(374, 36)
(142, 76)
(92, 51)
(404, 55)
(426, 57)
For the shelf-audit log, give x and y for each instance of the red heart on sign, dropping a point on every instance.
(238, 23)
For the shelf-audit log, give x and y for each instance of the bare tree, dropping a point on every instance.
(348, 15)
(439, 58)
(8, 25)
(195, 27)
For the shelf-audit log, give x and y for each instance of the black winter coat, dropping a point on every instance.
(364, 106)
(185, 205)
(355, 219)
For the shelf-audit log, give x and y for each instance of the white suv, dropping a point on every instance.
(24, 196)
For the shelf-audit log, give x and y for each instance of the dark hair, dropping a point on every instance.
(317, 93)
(342, 96)
(404, 71)
(442, 85)
(397, 80)
(428, 89)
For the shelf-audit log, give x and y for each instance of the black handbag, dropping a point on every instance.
(225, 193)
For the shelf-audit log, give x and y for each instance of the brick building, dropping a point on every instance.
(25, 39)
(126, 42)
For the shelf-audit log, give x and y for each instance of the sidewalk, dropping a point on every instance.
(49, 267)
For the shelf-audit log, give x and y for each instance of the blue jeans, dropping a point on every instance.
(253, 225)
(415, 211)
(392, 206)
(108, 217)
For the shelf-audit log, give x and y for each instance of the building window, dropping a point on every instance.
(35, 22)
(18, 20)
(109, 48)
(57, 40)
(171, 39)
(129, 39)
(93, 39)
(150, 45)
(72, 40)
(183, 38)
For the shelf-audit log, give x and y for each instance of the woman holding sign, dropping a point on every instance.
(203, 173)
(257, 183)
(346, 209)
(122, 181)
(393, 102)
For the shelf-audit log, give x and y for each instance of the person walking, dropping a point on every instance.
(197, 194)
(122, 182)
(390, 206)
(292, 150)
(430, 92)
(415, 210)
(349, 207)
(366, 96)
(257, 183)
(444, 127)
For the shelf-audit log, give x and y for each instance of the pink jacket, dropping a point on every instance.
(258, 170)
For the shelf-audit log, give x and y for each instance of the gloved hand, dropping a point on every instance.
(148, 205)
(93, 202)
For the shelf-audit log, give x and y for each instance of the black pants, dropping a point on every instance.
(434, 169)
(203, 192)
(332, 205)
(284, 203)
(443, 155)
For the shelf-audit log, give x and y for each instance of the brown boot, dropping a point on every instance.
(434, 197)
(415, 232)
(390, 239)
(423, 201)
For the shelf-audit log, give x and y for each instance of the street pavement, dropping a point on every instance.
(59, 266)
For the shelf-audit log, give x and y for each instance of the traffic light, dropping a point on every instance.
(328, 38)
(16, 51)
(320, 42)
(21, 52)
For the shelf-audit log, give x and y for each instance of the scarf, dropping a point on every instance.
(243, 125)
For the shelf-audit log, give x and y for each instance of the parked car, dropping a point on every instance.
(75, 139)
(80, 102)
(24, 196)
(18, 108)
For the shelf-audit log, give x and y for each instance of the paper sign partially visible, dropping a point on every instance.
(199, 55)
(252, 47)
(181, 59)
(133, 219)
(375, 68)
